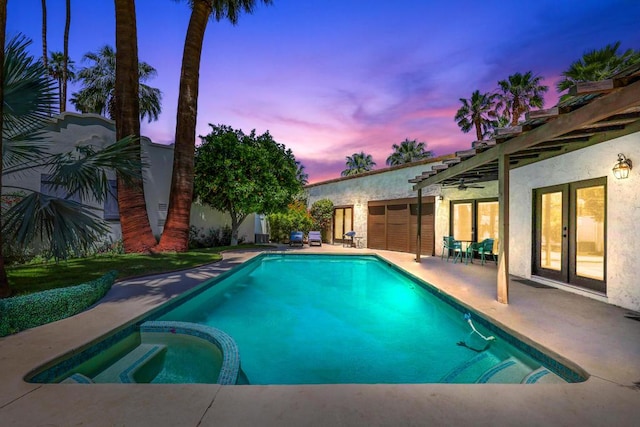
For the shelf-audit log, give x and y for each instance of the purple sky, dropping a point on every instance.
(330, 78)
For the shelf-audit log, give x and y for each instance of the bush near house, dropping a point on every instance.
(322, 214)
(295, 218)
(28, 311)
(211, 238)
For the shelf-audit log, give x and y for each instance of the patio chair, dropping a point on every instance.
(449, 244)
(484, 249)
(315, 237)
(296, 238)
(348, 239)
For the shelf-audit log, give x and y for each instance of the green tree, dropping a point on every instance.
(520, 92)
(99, 80)
(597, 64)
(243, 174)
(358, 163)
(57, 64)
(476, 112)
(62, 224)
(407, 152)
(175, 235)
(322, 214)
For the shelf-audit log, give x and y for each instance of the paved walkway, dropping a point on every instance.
(587, 334)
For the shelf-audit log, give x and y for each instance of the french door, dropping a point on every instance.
(569, 233)
(475, 220)
(342, 222)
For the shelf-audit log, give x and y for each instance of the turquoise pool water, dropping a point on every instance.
(309, 319)
(317, 319)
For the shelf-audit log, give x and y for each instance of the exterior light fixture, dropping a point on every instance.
(622, 168)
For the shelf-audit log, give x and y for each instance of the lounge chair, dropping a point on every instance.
(296, 238)
(315, 237)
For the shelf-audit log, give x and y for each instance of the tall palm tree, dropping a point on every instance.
(520, 92)
(358, 163)
(5, 290)
(44, 34)
(408, 151)
(301, 175)
(65, 68)
(175, 235)
(476, 112)
(99, 80)
(57, 64)
(137, 235)
(597, 64)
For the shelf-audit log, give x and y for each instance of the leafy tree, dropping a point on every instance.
(57, 64)
(322, 214)
(175, 235)
(358, 163)
(242, 174)
(295, 218)
(99, 80)
(62, 224)
(407, 152)
(597, 64)
(477, 112)
(520, 92)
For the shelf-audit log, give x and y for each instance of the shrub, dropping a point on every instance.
(322, 214)
(295, 218)
(28, 311)
(213, 237)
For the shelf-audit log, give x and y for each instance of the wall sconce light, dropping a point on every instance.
(622, 168)
(440, 197)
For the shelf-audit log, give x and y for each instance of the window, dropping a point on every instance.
(475, 220)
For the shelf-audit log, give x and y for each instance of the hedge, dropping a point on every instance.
(28, 311)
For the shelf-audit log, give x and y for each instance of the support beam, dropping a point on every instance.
(503, 229)
(419, 234)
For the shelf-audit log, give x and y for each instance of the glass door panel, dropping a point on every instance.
(590, 214)
(488, 223)
(338, 224)
(551, 231)
(462, 225)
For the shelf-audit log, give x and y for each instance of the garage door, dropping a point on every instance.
(392, 225)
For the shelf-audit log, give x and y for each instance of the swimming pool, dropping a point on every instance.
(324, 319)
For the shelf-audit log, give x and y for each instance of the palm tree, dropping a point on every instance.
(476, 112)
(175, 235)
(301, 175)
(408, 151)
(137, 235)
(63, 224)
(99, 80)
(57, 64)
(358, 163)
(65, 76)
(44, 34)
(597, 64)
(5, 290)
(520, 92)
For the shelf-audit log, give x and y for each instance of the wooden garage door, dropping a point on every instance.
(392, 225)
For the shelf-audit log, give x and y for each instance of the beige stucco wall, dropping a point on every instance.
(357, 191)
(623, 212)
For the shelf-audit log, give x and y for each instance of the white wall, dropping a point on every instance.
(623, 211)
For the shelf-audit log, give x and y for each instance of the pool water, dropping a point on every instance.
(318, 319)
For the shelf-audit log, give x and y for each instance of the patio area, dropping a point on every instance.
(585, 334)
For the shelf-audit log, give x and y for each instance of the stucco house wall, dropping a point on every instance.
(383, 184)
(622, 211)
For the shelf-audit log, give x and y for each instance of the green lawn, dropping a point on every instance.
(29, 278)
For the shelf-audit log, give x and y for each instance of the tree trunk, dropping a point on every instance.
(5, 290)
(478, 125)
(136, 230)
(65, 59)
(45, 57)
(175, 236)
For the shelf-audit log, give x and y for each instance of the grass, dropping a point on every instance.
(29, 278)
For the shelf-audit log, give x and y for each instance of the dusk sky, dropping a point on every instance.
(334, 77)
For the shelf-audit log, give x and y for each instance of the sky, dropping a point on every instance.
(335, 77)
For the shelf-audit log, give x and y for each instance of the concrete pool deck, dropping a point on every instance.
(588, 334)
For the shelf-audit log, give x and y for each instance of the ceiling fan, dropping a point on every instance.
(462, 186)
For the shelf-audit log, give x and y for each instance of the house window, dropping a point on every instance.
(48, 188)
(111, 211)
(475, 220)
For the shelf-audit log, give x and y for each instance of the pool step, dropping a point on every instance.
(122, 371)
(509, 371)
(469, 371)
(77, 379)
(542, 376)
